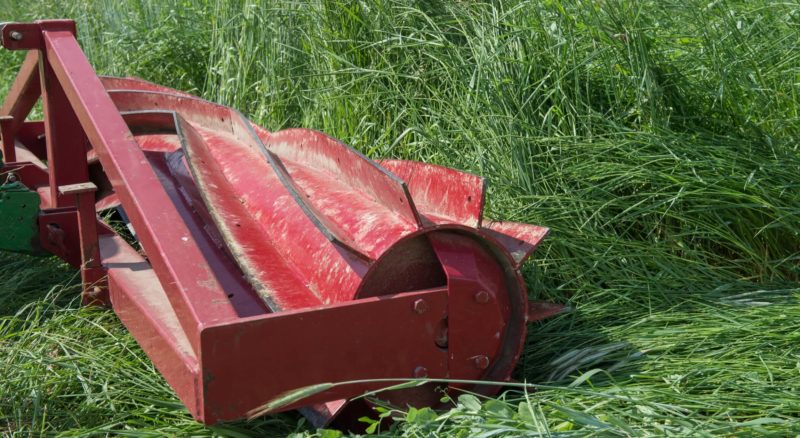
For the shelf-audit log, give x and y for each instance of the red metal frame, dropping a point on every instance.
(272, 260)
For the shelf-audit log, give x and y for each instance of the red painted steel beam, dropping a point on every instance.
(21, 98)
(141, 304)
(25, 90)
(31, 135)
(173, 252)
(246, 363)
(92, 273)
(28, 36)
(8, 152)
(372, 338)
(65, 140)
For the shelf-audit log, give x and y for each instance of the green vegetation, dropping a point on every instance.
(658, 139)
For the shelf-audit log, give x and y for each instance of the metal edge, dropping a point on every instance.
(257, 285)
(390, 175)
(143, 81)
(286, 179)
(172, 95)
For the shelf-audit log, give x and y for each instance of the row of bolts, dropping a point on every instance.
(481, 362)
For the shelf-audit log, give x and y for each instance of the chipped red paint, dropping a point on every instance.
(271, 260)
(520, 240)
(442, 195)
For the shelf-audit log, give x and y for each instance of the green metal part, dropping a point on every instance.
(19, 210)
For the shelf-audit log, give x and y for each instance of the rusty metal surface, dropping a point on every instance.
(266, 254)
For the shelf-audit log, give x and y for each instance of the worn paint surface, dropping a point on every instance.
(520, 240)
(262, 245)
(441, 194)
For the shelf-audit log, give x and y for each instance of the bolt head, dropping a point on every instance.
(482, 362)
(94, 293)
(16, 36)
(420, 372)
(482, 297)
(420, 306)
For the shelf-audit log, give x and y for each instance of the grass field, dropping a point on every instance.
(658, 139)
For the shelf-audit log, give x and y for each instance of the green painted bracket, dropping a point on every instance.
(19, 211)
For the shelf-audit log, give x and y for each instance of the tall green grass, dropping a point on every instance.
(659, 140)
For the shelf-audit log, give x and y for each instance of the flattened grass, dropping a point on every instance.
(659, 141)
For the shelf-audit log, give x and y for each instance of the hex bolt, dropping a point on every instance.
(11, 178)
(16, 36)
(482, 362)
(482, 297)
(420, 306)
(420, 372)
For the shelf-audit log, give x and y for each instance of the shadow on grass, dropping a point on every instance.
(24, 279)
(83, 368)
(623, 294)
